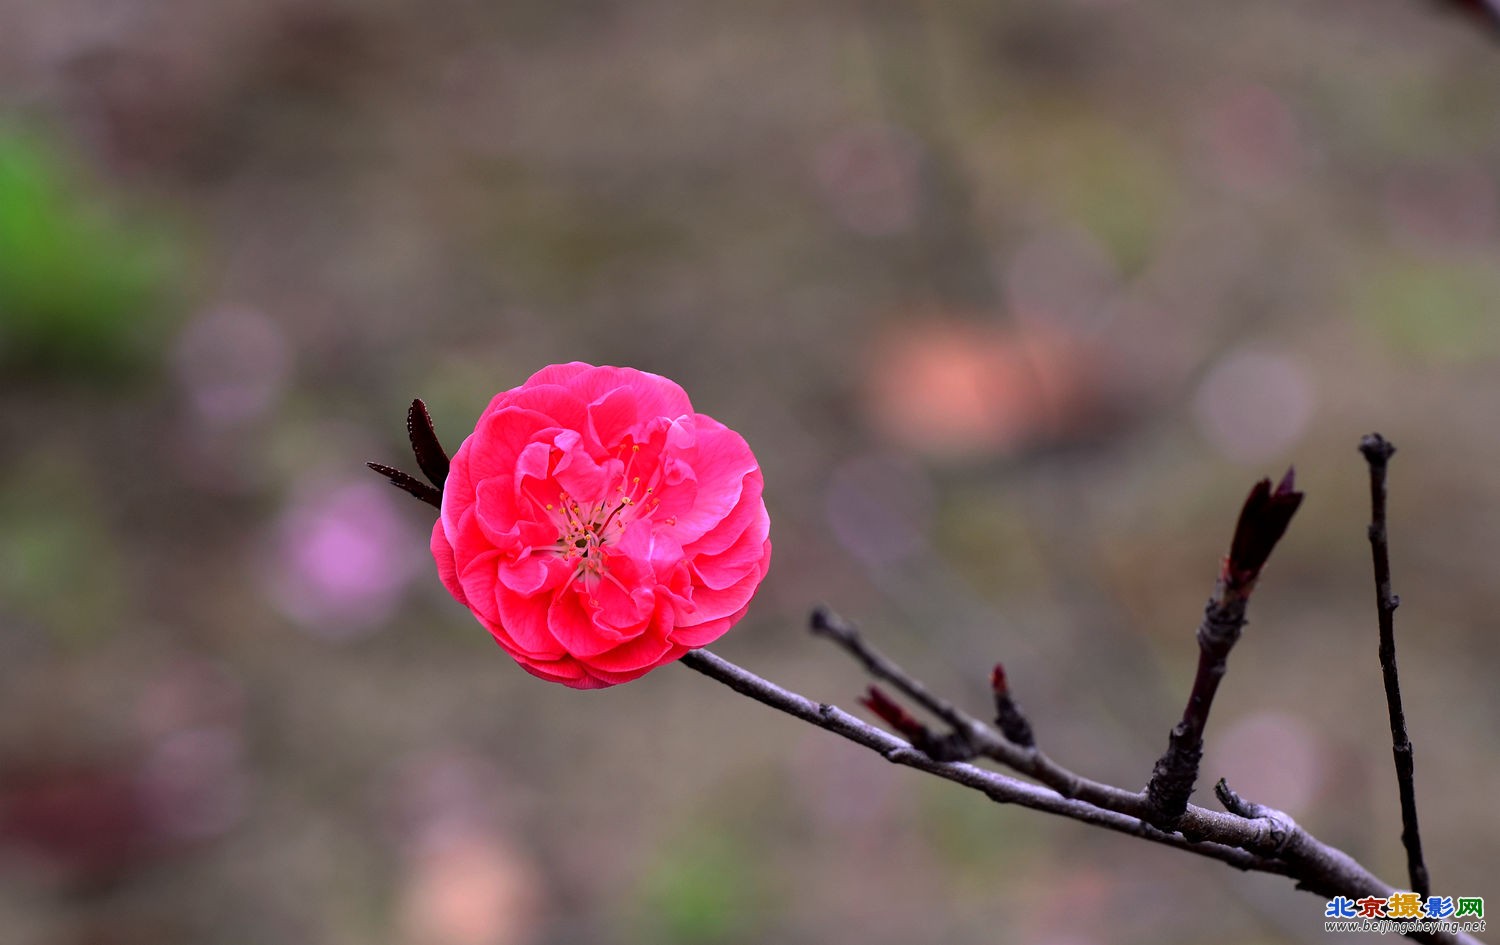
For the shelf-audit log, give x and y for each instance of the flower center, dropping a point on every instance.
(584, 529)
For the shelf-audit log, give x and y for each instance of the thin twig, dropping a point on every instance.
(1176, 771)
(1263, 520)
(1275, 845)
(1377, 452)
(1025, 759)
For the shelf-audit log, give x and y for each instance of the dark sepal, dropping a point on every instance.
(431, 457)
(411, 485)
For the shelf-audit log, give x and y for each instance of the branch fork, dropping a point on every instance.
(1247, 835)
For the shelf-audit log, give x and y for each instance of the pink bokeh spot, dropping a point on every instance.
(598, 527)
(1254, 405)
(339, 570)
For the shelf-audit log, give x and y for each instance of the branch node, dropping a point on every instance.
(1279, 827)
(1234, 803)
(1377, 449)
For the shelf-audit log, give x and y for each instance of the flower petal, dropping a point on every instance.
(572, 623)
(496, 443)
(525, 621)
(557, 374)
(655, 395)
(710, 603)
(728, 566)
(707, 632)
(562, 406)
(569, 672)
(750, 507)
(477, 577)
(720, 464)
(442, 553)
(640, 654)
(576, 471)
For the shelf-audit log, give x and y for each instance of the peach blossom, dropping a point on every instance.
(598, 527)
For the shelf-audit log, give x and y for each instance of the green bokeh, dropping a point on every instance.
(59, 564)
(705, 889)
(1437, 310)
(82, 290)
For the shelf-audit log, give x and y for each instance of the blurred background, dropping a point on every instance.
(1014, 303)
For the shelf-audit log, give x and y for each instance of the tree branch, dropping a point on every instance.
(1250, 836)
(1269, 843)
(1377, 452)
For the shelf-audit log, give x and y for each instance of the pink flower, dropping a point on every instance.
(598, 527)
